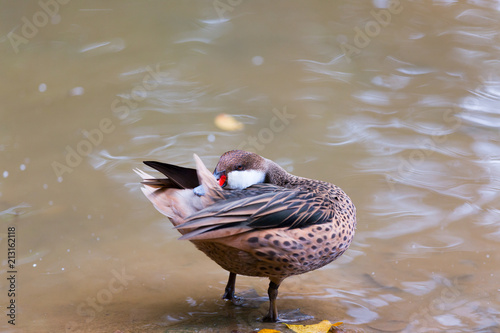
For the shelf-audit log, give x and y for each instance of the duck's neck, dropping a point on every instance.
(278, 176)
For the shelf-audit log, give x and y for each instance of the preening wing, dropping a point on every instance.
(266, 208)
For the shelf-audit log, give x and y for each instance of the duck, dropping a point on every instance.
(253, 218)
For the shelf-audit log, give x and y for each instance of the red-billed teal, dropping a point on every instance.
(254, 218)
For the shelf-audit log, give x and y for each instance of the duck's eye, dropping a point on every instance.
(240, 167)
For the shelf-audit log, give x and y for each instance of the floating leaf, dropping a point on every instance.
(322, 327)
(268, 330)
(227, 122)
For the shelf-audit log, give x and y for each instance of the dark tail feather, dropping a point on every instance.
(160, 183)
(180, 176)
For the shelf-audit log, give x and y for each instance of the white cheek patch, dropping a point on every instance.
(239, 180)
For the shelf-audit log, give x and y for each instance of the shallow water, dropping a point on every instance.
(397, 103)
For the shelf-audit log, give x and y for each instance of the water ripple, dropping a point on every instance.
(361, 314)
(111, 46)
(478, 17)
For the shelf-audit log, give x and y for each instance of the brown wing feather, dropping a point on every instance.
(286, 208)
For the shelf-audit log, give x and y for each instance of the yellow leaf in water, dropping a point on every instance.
(268, 330)
(322, 327)
(227, 122)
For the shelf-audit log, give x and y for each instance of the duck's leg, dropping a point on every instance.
(272, 315)
(229, 291)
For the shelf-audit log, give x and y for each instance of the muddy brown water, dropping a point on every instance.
(396, 102)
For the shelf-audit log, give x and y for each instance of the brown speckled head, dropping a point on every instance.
(238, 169)
(235, 161)
(240, 160)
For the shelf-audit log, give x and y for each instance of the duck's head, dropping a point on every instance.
(239, 169)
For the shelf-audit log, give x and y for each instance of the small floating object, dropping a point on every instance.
(322, 327)
(227, 122)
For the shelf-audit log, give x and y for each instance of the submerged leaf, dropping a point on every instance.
(322, 327)
(268, 330)
(227, 122)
